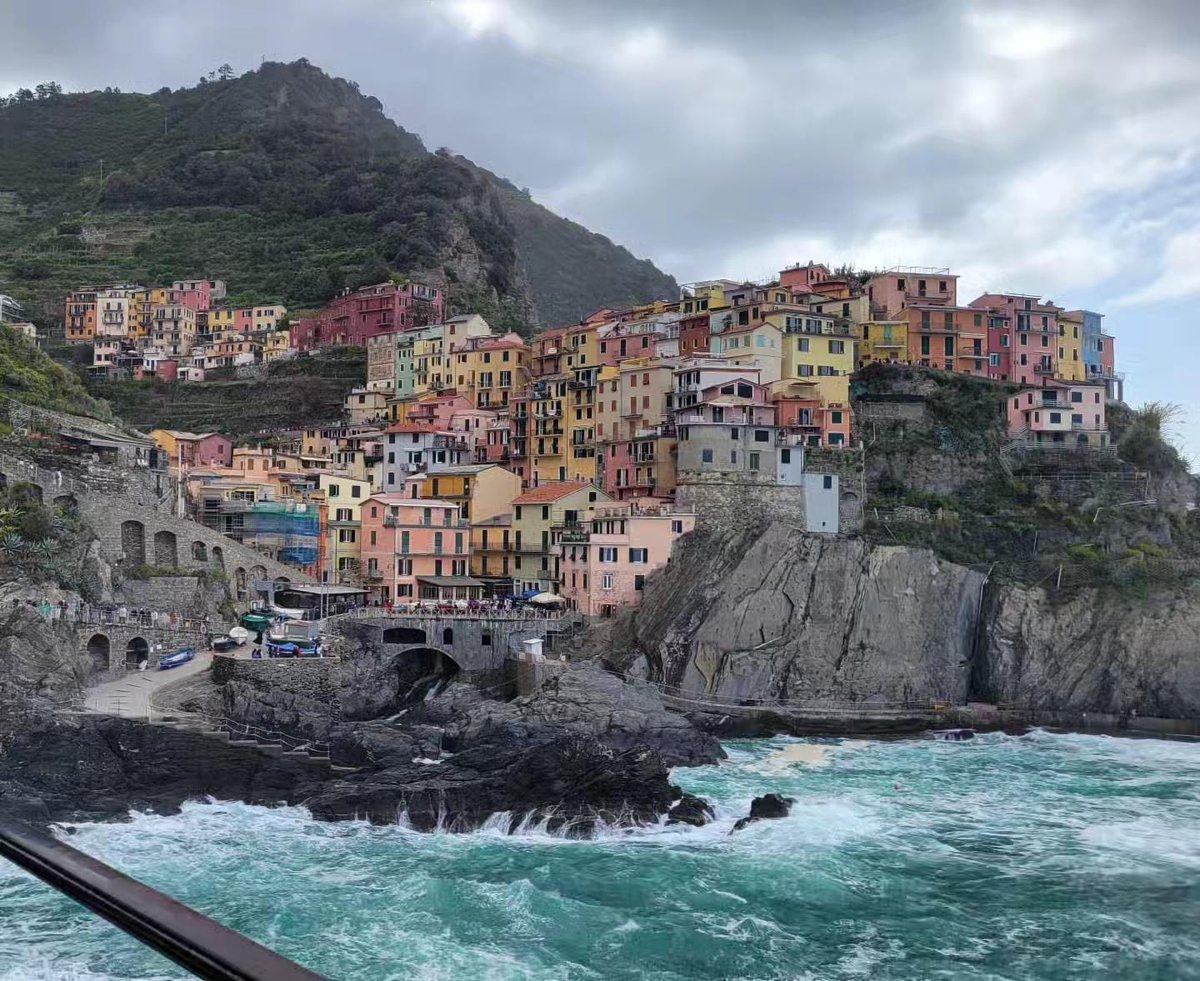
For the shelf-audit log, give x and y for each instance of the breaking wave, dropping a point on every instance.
(1047, 855)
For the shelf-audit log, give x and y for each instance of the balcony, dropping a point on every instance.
(576, 535)
(1043, 369)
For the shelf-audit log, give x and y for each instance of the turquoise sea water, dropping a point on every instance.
(1045, 856)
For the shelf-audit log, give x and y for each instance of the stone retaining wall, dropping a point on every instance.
(311, 677)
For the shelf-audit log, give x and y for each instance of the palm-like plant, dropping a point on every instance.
(12, 545)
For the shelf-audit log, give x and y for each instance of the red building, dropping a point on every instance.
(356, 315)
(694, 334)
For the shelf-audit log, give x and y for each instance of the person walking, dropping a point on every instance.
(122, 615)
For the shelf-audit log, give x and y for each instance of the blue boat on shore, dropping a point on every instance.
(176, 658)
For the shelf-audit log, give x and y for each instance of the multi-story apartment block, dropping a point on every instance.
(358, 314)
(415, 549)
(606, 559)
(1023, 334)
(481, 490)
(1059, 412)
(540, 517)
(173, 329)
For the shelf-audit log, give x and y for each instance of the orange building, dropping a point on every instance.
(416, 550)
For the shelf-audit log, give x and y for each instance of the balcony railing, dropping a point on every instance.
(1043, 369)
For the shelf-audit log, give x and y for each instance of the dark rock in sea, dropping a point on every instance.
(98, 768)
(764, 808)
(571, 781)
(589, 700)
(691, 810)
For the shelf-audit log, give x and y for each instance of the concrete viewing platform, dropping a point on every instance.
(130, 697)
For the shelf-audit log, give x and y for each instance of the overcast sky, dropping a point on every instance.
(1046, 147)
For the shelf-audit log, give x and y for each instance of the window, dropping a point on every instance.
(639, 582)
(754, 461)
(835, 418)
(1077, 419)
(706, 456)
(827, 482)
(925, 347)
(1004, 340)
(1077, 396)
(734, 432)
(606, 581)
(837, 347)
(355, 491)
(1024, 339)
(639, 556)
(785, 456)
(826, 371)
(1055, 417)
(347, 535)
(925, 319)
(608, 553)
(804, 371)
(677, 527)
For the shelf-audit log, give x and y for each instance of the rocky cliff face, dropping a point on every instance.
(791, 616)
(780, 615)
(1092, 653)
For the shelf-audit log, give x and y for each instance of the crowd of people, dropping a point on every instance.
(109, 615)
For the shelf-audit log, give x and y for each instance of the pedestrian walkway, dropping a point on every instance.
(130, 697)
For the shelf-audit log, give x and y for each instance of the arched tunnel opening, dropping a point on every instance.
(422, 673)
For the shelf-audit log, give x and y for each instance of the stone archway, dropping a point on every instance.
(66, 502)
(133, 542)
(99, 649)
(422, 670)
(447, 636)
(258, 573)
(136, 651)
(166, 549)
(404, 635)
(239, 581)
(199, 552)
(218, 555)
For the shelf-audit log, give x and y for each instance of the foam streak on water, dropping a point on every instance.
(1047, 856)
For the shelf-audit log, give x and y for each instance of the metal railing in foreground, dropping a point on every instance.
(193, 941)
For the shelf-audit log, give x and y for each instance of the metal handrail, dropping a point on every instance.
(193, 941)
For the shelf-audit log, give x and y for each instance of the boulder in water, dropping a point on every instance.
(691, 810)
(766, 807)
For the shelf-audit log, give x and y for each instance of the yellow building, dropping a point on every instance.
(540, 516)
(344, 497)
(221, 320)
(547, 447)
(1070, 347)
(490, 370)
(267, 317)
(481, 490)
(818, 347)
(883, 341)
(276, 344)
(428, 362)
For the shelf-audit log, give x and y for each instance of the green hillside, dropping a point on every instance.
(289, 185)
(29, 376)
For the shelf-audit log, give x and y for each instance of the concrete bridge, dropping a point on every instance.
(476, 644)
(135, 534)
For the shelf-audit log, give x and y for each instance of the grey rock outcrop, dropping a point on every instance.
(41, 668)
(1093, 652)
(800, 617)
(587, 700)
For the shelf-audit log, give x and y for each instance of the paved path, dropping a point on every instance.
(129, 697)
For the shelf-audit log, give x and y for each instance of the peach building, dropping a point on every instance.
(415, 550)
(605, 563)
(1059, 412)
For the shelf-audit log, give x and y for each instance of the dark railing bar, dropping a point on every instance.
(192, 940)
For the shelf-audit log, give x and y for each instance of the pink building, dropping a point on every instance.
(1059, 412)
(304, 334)
(197, 294)
(605, 565)
(901, 286)
(243, 320)
(438, 410)
(802, 277)
(356, 315)
(416, 550)
(1025, 332)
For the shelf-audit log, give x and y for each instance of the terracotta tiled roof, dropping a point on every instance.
(551, 492)
(411, 427)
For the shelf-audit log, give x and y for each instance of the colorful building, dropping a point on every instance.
(1058, 412)
(540, 516)
(606, 560)
(416, 550)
